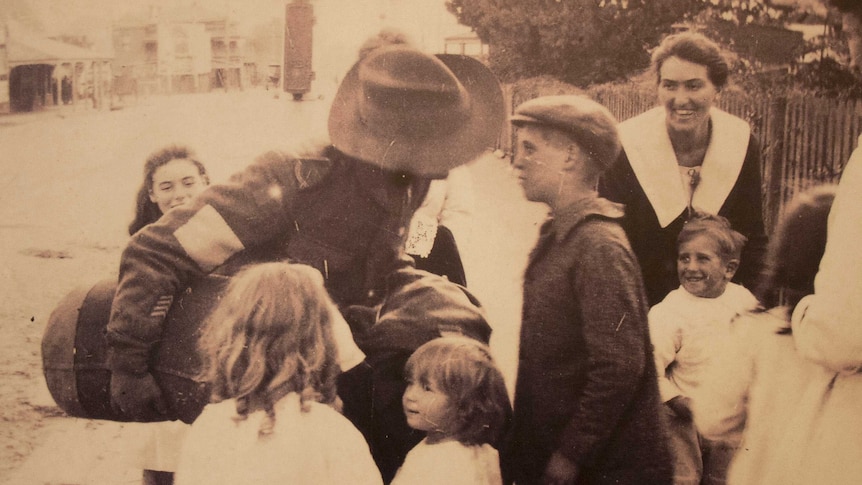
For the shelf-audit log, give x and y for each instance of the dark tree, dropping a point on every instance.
(578, 41)
(847, 5)
(852, 12)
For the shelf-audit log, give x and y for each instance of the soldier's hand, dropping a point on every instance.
(137, 396)
(560, 471)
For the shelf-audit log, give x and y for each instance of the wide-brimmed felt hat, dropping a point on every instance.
(412, 112)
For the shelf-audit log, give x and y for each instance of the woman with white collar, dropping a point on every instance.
(686, 154)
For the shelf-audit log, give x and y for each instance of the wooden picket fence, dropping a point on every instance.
(805, 141)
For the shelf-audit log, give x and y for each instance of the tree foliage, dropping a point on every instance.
(593, 41)
(852, 6)
(827, 78)
(578, 41)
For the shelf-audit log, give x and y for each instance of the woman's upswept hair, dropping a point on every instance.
(795, 249)
(465, 371)
(696, 48)
(718, 229)
(270, 335)
(386, 36)
(147, 211)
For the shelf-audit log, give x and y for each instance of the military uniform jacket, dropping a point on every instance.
(326, 210)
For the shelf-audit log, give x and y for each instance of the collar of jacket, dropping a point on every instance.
(649, 150)
(381, 185)
(563, 221)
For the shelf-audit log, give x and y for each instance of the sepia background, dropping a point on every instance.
(69, 171)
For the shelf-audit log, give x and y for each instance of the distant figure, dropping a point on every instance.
(457, 396)
(66, 90)
(271, 358)
(586, 400)
(688, 328)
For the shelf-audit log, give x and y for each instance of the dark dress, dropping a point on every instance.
(444, 258)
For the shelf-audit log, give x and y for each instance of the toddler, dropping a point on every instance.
(271, 357)
(687, 328)
(457, 396)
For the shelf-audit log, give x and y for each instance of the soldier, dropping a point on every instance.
(399, 119)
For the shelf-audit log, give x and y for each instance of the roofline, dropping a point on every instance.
(30, 62)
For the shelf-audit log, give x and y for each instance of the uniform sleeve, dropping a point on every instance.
(665, 334)
(250, 211)
(827, 326)
(613, 315)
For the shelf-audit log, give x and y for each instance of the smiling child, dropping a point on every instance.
(688, 327)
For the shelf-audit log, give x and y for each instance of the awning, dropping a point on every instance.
(24, 48)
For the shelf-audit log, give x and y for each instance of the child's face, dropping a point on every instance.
(701, 269)
(175, 183)
(426, 408)
(538, 163)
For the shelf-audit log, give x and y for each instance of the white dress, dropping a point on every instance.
(827, 330)
(827, 326)
(450, 463)
(759, 391)
(316, 447)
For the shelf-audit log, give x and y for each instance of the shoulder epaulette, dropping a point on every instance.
(310, 171)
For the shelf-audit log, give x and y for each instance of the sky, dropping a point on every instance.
(427, 21)
(341, 25)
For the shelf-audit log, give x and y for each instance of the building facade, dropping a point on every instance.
(37, 72)
(181, 51)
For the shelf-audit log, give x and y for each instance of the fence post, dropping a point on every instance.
(774, 152)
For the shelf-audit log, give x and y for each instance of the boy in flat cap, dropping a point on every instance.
(586, 402)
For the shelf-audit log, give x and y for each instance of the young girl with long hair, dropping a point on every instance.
(271, 358)
(172, 176)
(456, 394)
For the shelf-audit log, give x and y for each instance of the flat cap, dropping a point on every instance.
(589, 123)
